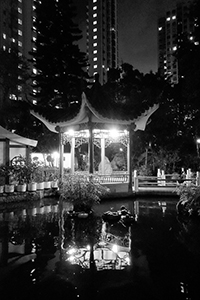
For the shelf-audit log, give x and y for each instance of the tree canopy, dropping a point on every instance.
(59, 65)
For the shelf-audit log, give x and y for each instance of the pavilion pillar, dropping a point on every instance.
(72, 155)
(61, 151)
(128, 155)
(103, 156)
(130, 188)
(91, 149)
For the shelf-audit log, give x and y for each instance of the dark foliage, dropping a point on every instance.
(58, 60)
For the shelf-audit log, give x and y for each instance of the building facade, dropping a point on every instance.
(16, 22)
(170, 28)
(16, 29)
(102, 37)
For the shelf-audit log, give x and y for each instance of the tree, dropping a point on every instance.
(59, 65)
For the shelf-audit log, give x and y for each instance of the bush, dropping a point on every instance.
(82, 191)
(189, 203)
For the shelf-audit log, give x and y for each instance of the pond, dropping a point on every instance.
(46, 253)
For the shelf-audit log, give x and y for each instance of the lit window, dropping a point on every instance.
(191, 38)
(19, 10)
(4, 48)
(95, 44)
(19, 44)
(34, 38)
(95, 29)
(34, 7)
(168, 19)
(174, 48)
(13, 40)
(95, 22)
(159, 28)
(95, 37)
(95, 52)
(19, 32)
(94, 15)
(173, 17)
(4, 36)
(94, 7)
(19, 88)
(94, 1)
(95, 66)
(34, 71)
(95, 59)
(20, 21)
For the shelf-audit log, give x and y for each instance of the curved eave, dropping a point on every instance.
(141, 121)
(15, 138)
(95, 117)
(80, 118)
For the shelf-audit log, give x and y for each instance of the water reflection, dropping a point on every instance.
(40, 245)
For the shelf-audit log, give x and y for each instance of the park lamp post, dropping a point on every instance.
(198, 143)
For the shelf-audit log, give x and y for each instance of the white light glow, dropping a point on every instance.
(70, 132)
(55, 154)
(115, 248)
(114, 133)
(71, 250)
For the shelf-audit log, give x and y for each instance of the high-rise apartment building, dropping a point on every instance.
(16, 21)
(16, 28)
(102, 37)
(170, 28)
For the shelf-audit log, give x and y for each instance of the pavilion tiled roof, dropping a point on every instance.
(102, 110)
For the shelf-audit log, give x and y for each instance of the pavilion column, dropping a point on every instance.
(130, 189)
(72, 155)
(61, 151)
(103, 156)
(91, 149)
(128, 155)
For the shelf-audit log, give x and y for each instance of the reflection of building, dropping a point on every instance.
(170, 28)
(102, 37)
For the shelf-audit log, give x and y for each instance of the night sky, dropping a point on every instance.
(137, 25)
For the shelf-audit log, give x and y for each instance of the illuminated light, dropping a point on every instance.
(127, 259)
(115, 248)
(70, 132)
(114, 133)
(168, 19)
(71, 258)
(88, 247)
(55, 154)
(71, 251)
(173, 17)
(159, 28)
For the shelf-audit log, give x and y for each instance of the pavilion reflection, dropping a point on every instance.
(92, 242)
